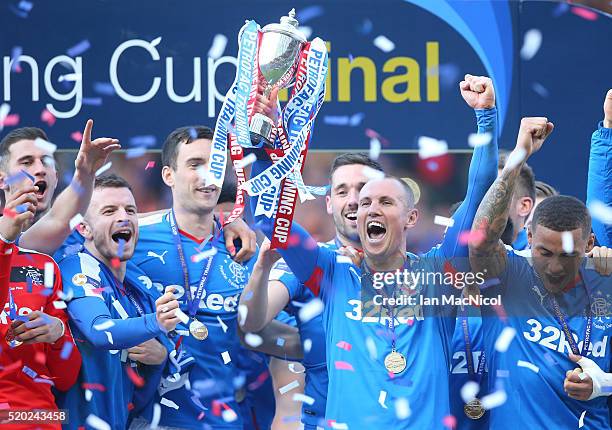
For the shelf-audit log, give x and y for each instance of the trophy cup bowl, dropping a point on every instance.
(278, 56)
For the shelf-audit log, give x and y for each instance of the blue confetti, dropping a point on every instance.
(248, 295)
(366, 27)
(26, 6)
(15, 54)
(146, 140)
(193, 133)
(20, 13)
(79, 48)
(120, 247)
(104, 88)
(29, 284)
(66, 350)
(280, 342)
(560, 9)
(92, 101)
(21, 208)
(136, 152)
(308, 13)
(18, 177)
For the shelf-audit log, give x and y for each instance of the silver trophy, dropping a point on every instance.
(279, 54)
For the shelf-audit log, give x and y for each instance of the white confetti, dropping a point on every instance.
(59, 304)
(290, 386)
(430, 147)
(581, 419)
(384, 44)
(169, 403)
(69, 77)
(181, 315)
(45, 145)
(307, 345)
(372, 173)
(371, 346)
(104, 326)
(311, 310)
(443, 221)
(229, 415)
(540, 89)
(494, 400)
(515, 158)
(246, 161)
(505, 337)
(88, 394)
(203, 255)
(343, 259)
(600, 211)
(528, 365)
(156, 416)
(222, 324)
(531, 44)
(218, 46)
(469, 391)
(75, 221)
(104, 168)
(567, 242)
(305, 30)
(299, 397)
(402, 408)
(479, 139)
(97, 423)
(119, 308)
(243, 311)
(292, 368)
(226, 357)
(109, 336)
(375, 148)
(339, 426)
(382, 397)
(581, 375)
(5, 108)
(49, 274)
(253, 340)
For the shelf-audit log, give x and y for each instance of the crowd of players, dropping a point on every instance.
(175, 320)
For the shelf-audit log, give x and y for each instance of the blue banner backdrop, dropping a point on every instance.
(142, 68)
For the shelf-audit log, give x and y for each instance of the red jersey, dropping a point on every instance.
(26, 371)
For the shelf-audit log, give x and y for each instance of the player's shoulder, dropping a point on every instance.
(32, 257)
(81, 264)
(153, 221)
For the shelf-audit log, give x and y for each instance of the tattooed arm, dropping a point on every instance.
(488, 255)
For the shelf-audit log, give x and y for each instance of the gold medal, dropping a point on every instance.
(198, 330)
(474, 409)
(395, 362)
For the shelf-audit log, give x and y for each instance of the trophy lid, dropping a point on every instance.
(288, 26)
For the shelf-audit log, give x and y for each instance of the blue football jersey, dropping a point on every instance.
(533, 369)
(206, 394)
(362, 393)
(311, 332)
(103, 372)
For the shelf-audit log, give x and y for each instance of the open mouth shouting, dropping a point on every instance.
(123, 234)
(42, 187)
(376, 231)
(351, 216)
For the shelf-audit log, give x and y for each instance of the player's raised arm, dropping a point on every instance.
(489, 254)
(479, 94)
(599, 182)
(51, 230)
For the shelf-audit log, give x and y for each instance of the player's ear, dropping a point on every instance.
(590, 243)
(411, 219)
(328, 205)
(85, 229)
(524, 206)
(168, 176)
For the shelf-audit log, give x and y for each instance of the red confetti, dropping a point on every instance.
(344, 345)
(40, 357)
(115, 263)
(4, 406)
(216, 408)
(10, 120)
(9, 213)
(584, 13)
(374, 135)
(77, 136)
(449, 421)
(201, 416)
(93, 386)
(47, 117)
(130, 406)
(150, 165)
(467, 236)
(343, 365)
(134, 377)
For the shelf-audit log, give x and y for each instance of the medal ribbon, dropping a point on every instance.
(475, 374)
(193, 301)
